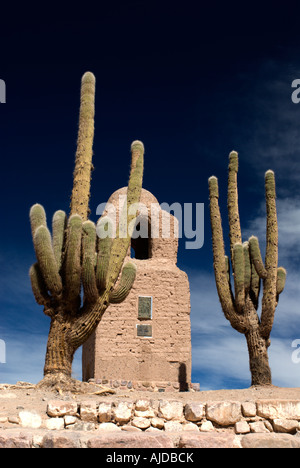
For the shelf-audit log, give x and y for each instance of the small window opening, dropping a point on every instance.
(141, 246)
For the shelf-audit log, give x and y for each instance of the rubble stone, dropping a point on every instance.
(194, 411)
(122, 411)
(59, 408)
(29, 419)
(224, 413)
(170, 409)
(286, 425)
(279, 409)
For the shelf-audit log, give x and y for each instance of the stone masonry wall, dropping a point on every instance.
(162, 423)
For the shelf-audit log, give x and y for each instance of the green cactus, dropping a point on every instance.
(240, 306)
(73, 256)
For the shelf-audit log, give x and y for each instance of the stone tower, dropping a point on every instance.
(146, 340)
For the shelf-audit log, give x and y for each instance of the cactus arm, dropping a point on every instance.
(227, 269)
(83, 162)
(103, 258)
(72, 266)
(235, 234)
(239, 276)
(38, 286)
(37, 217)
(256, 257)
(46, 260)
(247, 263)
(88, 261)
(120, 291)
(89, 318)
(281, 279)
(255, 286)
(220, 269)
(59, 222)
(271, 258)
(121, 243)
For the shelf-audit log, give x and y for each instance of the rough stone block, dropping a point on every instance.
(108, 427)
(142, 405)
(279, 409)
(55, 424)
(122, 411)
(207, 426)
(170, 409)
(270, 441)
(249, 409)
(104, 412)
(258, 427)
(286, 425)
(157, 423)
(194, 411)
(173, 426)
(224, 413)
(59, 408)
(61, 440)
(128, 440)
(141, 423)
(12, 439)
(29, 419)
(189, 426)
(242, 427)
(207, 440)
(88, 411)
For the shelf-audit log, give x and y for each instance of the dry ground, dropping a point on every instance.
(14, 398)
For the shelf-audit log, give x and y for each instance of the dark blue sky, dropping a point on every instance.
(193, 83)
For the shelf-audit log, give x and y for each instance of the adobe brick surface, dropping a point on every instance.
(115, 352)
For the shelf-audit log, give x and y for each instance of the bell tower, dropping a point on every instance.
(145, 342)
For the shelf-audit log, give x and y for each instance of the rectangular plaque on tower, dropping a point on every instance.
(145, 307)
(144, 330)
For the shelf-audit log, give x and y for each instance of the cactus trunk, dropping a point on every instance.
(258, 358)
(59, 354)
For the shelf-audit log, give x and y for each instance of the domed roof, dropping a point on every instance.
(146, 197)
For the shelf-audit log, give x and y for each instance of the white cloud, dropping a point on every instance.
(219, 353)
(285, 372)
(25, 354)
(287, 315)
(23, 325)
(25, 358)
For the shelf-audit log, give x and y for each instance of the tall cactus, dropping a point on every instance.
(240, 307)
(73, 255)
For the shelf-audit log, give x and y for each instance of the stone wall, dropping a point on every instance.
(148, 386)
(156, 424)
